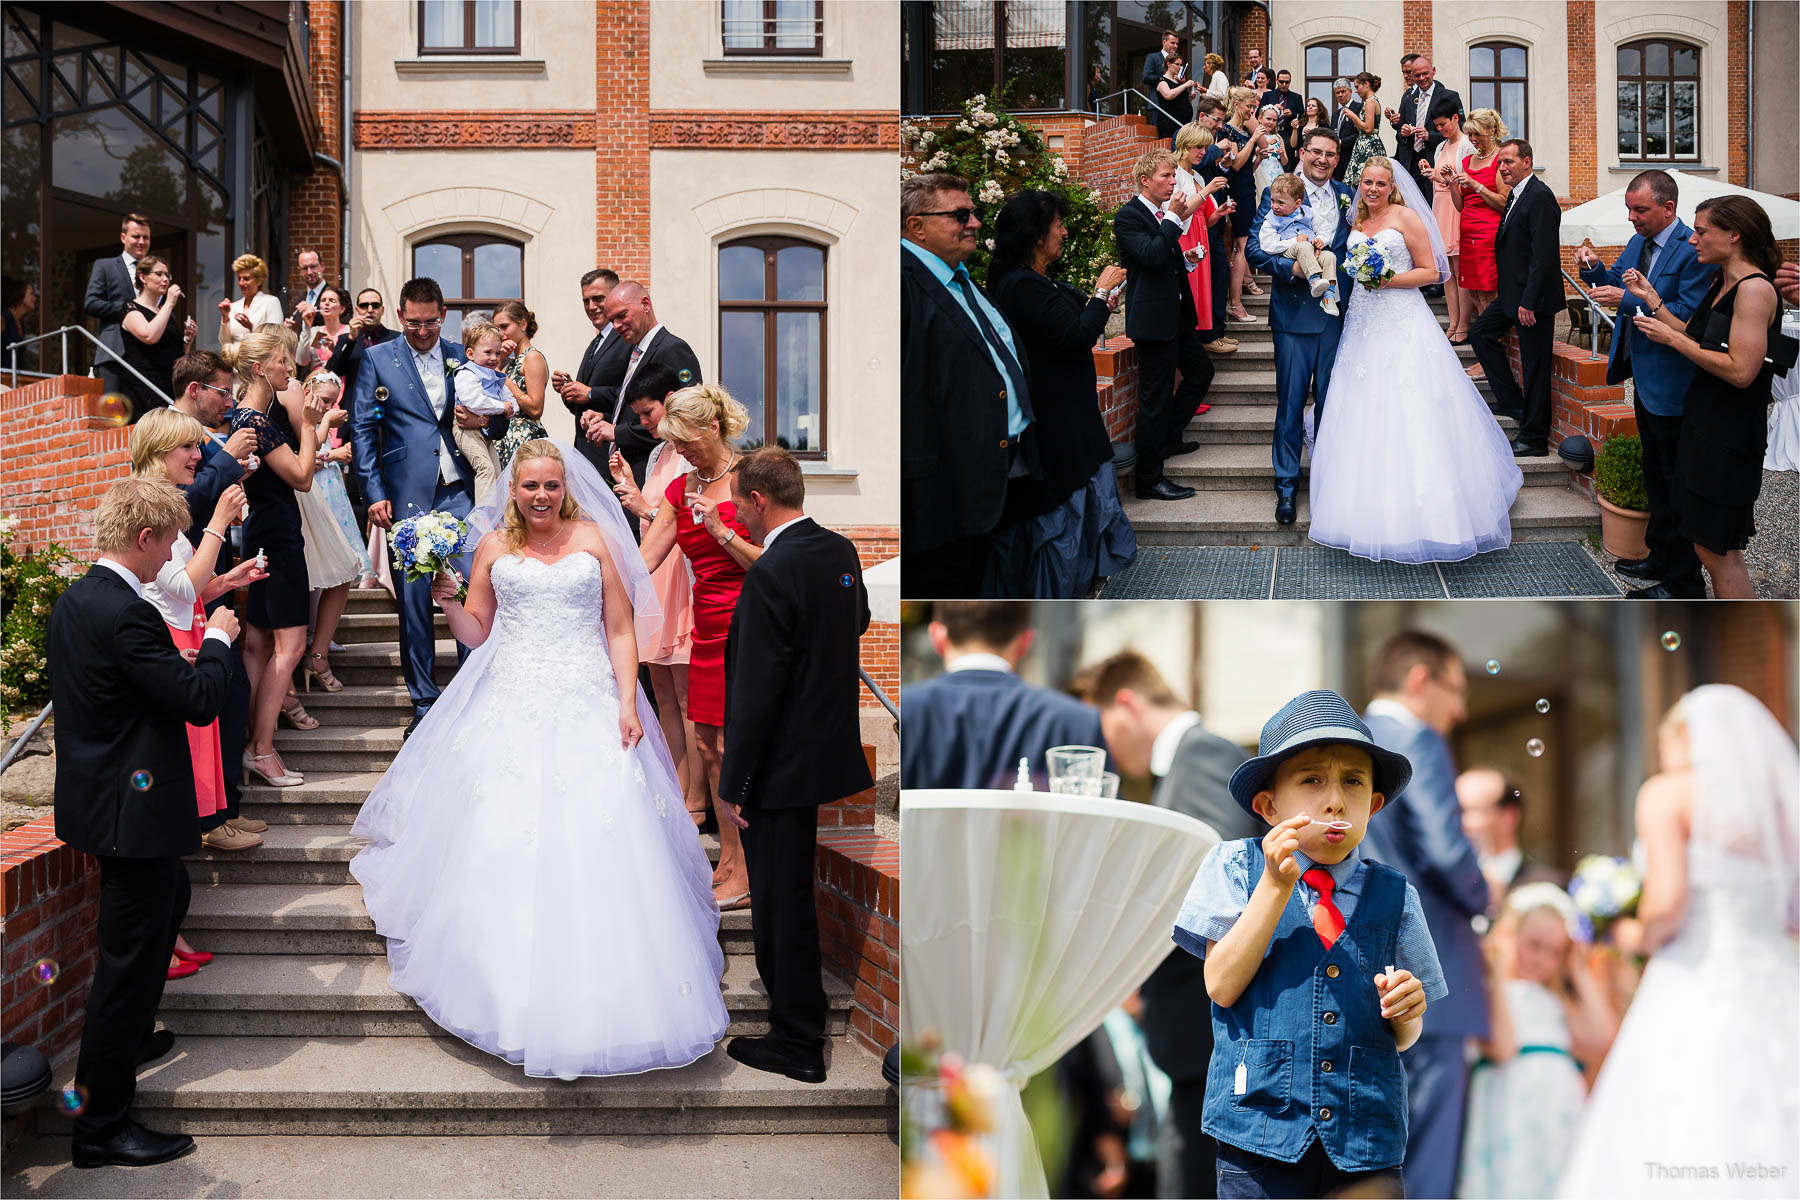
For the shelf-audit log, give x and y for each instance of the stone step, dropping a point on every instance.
(326, 798)
(439, 1086)
(340, 747)
(369, 600)
(318, 854)
(378, 663)
(312, 995)
(1254, 383)
(1258, 353)
(290, 918)
(374, 625)
(1229, 466)
(1255, 422)
(1246, 517)
(359, 704)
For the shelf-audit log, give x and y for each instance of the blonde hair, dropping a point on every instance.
(1394, 196)
(1213, 63)
(258, 346)
(1489, 124)
(159, 431)
(687, 413)
(512, 521)
(1288, 185)
(1151, 162)
(475, 331)
(1238, 95)
(1268, 110)
(133, 505)
(252, 264)
(1192, 135)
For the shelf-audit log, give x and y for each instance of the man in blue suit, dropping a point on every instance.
(1420, 696)
(969, 727)
(408, 462)
(1306, 337)
(1660, 252)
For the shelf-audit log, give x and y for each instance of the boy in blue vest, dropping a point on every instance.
(1318, 962)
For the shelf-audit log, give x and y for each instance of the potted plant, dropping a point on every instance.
(1624, 506)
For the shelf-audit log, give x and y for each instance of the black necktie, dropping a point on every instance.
(995, 343)
(1644, 257)
(587, 360)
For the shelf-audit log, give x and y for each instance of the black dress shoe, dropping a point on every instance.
(1510, 414)
(1284, 510)
(755, 1052)
(412, 725)
(155, 1046)
(1524, 449)
(1180, 448)
(1639, 568)
(1432, 289)
(132, 1146)
(1662, 591)
(1162, 489)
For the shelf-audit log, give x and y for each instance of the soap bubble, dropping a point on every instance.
(1535, 747)
(1493, 666)
(686, 988)
(45, 970)
(1671, 640)
(141, 781)
(113, 409)
(72, 1100)
(1543, 706)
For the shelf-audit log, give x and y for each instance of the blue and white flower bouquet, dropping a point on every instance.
(426, 544)
(1368, 265)
(1605, 889)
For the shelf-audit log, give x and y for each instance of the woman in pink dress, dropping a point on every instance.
(1453, 151)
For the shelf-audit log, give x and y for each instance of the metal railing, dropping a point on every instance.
(875, 690)
(1100, 104)
(24, 739)
(1594, 311)
(100, 346)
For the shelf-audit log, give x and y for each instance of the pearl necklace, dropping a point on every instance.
(730, 461)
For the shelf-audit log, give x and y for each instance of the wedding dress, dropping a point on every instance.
(543, 893)
(1702, 1085)
(1408, 464)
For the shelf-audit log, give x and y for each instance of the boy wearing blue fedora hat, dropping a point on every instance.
(1318, 962)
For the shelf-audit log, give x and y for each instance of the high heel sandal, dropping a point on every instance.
(252, 772)
(298, 717)
(322, 673)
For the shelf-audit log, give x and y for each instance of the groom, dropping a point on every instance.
(408, 462)
(793, 741)
(1306, 337)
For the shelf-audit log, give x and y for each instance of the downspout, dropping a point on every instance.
(1750, 106)
(345, 42)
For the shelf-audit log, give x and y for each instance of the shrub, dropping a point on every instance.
(1619, 473)
(30, 583)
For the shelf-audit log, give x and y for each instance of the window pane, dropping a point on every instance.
(1349, 61)
(1512, 107)
(1481, 60)
(494, 23)
(1685, 60)
(1035, 53)
(1512, 62)
(741, 273)
(743, 24)
(1628, 120)
(962, 52)
(453, 323)
(499, 270)
(107, 153)
(794, 26)
(797, 381)
(1318, 61)
(1687, 137)
(800, 273)
(1320, 90)
(1656, 58)
(1481, 95)
(1630, 62)
(443, 22)
(1656, 120)
(435, 260)
(741, 367)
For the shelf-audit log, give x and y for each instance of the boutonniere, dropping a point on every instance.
(1343, 202)
(451, 367)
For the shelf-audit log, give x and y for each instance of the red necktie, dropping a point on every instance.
(1160, 214)
(1327, 921)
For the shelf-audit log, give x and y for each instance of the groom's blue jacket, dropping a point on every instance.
(395, 435)
(1292, 306)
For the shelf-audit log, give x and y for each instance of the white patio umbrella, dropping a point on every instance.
(1603, 220)
(883, 583)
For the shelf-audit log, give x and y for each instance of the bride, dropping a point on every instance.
(1408, 464)
(531, 862)
(1702, 1086)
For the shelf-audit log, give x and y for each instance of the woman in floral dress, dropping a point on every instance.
(527, 368)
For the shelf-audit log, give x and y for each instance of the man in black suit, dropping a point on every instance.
(965, 398)
(1341, 98)
(1160, 319)
(309, 287)
(608, 422)
(111, 286)
(1253, 65)
(1293, 109)
(1418, 140)
(361, 332)
(1150, 732)
(1158, 61)
(793, 741)
(1531, 294)
(969, 727)
(125, 794)
(602, 363)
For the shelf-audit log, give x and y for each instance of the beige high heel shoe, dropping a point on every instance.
(253, 772)
(321, 672)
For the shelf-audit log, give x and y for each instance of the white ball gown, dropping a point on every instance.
(542, 890)
(1409, 465)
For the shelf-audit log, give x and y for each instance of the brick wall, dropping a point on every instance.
(1584, 136)
(60, 459)
(881, 644)
(1253, 30)
(1737, 83)
(1116, 379)
(1752, 650)
(622, 141)
(856, 884)
(1110, 148)
(1072, 129)
(316, 208)
(1415, 28)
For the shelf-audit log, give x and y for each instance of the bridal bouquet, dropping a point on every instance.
(426, 544)
(1368, 265)
(1605, 889)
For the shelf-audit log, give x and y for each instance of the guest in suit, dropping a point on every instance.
(155, 336)
(1066, 528)
(965, 401)
(312, 282)
(602, 363)
(1416, 145)
(1661, 253)
(1493, 808)
(1253, 65)
(408, 462)
(1420, 696)
(1531, 294)
(793, 741)
(363, 331)
(1293, 109)
(633, 319)
(1160, 319)
(969, 727)
(1157, 62)
(1346, 129)
(1150, 731)
(125, 794)
(254, 306)
(111, 285)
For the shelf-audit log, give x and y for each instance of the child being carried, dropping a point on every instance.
(1288, 231)
(484, 391)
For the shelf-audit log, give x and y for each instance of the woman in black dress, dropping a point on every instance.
(1242, 151)
(1724, 421)
(1174, 98)
(1065, 530)
(263, 361)
(156, 336)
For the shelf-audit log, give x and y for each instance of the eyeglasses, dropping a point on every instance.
(422, 326)
(959, 215)
(226, 392)
(368, 304)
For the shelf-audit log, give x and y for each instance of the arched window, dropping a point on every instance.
(772, 339)
(478, 271)
(1328, 61)
(1659, 100)
(1497, 80)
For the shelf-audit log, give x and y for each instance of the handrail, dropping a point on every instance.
(1594, 310)
(64, 333)
(24, 739)
(1130, 91)
(880, 695)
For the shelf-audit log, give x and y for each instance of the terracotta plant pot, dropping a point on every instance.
(1622, 530)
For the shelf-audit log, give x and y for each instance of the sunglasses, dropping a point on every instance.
(959, 215)
(368, 304)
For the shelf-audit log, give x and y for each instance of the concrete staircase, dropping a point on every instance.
(293, 1030)
(1234, 481)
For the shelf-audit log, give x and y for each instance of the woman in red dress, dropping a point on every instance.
(696, 514)
(1479, 194)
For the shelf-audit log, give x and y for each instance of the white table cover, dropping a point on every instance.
(1024, 920)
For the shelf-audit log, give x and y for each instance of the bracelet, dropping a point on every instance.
(214, 532)
(730, 537)
(1651, 312)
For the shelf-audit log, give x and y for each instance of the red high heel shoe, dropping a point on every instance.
(198, 957)
(183, 970)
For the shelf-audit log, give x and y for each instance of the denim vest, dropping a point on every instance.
(1318, 1057)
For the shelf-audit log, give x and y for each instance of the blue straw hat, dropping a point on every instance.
(1318, 718)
